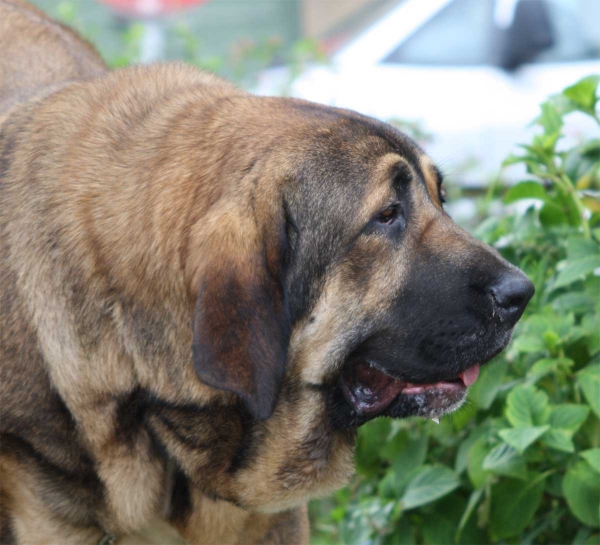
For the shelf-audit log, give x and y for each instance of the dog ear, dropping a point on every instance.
(241, 318)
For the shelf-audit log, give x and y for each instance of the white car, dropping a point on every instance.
(471, 72)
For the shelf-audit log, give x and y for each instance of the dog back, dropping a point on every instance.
(38, 55)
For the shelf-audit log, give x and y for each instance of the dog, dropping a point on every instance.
(205, 293)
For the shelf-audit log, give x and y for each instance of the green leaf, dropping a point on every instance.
(513, 160)
(428, 485)
(538, 324)
(528, 344)
(589, 381)
(386, 488)
(583, 93)
(552, 215)
(402, 534)
(405, 449)
(526, 407)
(463, 416)
(563, 104)
(582, 493)
(582, 164)
(568, 416)
(356, 530)
(464, 449)
(473, 501)
(589, 323)
(438, 530)
(370, 438)
(477, 455)
(550, 119)
(565, 324)
(590, 147)
(548, 142)
(514, 504)
(505, 460)
(442, 525)
(407, 453)
(576, 269)
(546, 366)
(578, 248)
(573, 302)
(542, 367)
(592, 328)
(554, 485)
(521, 438)
(525, 190)
(489, 382)
(592, 457)
(559, 440)
(444, 517)
(551, 340)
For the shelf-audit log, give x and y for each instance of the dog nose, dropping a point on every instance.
(510, 294)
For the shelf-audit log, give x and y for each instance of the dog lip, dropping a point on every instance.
(370, 390)
(444, 385)
(464, 380)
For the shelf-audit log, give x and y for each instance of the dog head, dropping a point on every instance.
(339, 291)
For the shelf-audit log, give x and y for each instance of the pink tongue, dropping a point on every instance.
(470, 375)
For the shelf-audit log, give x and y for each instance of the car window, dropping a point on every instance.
(458, 34)
(576, 27)
(465, 33)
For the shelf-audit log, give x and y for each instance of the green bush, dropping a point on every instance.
(520, 463)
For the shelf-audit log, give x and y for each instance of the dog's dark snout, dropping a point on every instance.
(510, 294)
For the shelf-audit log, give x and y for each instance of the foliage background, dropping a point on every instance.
(520, 462)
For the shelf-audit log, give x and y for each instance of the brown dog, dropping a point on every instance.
(204, 293)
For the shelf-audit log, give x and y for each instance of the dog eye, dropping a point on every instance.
(443, 193)
(389, 215)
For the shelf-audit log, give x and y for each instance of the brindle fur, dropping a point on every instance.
(153, 209)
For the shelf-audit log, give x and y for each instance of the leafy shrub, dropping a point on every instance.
(520, 463)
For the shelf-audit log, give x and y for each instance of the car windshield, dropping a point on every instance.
(505, 33)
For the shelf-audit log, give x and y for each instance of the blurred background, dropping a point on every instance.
(466, 78)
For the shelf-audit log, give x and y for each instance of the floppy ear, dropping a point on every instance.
(241, 319)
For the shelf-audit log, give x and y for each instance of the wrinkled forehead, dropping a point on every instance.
(403, 164)
(356, 161)
(393, 153)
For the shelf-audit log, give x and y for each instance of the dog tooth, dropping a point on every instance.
(436, 420)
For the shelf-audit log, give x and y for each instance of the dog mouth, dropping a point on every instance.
(371, 392)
